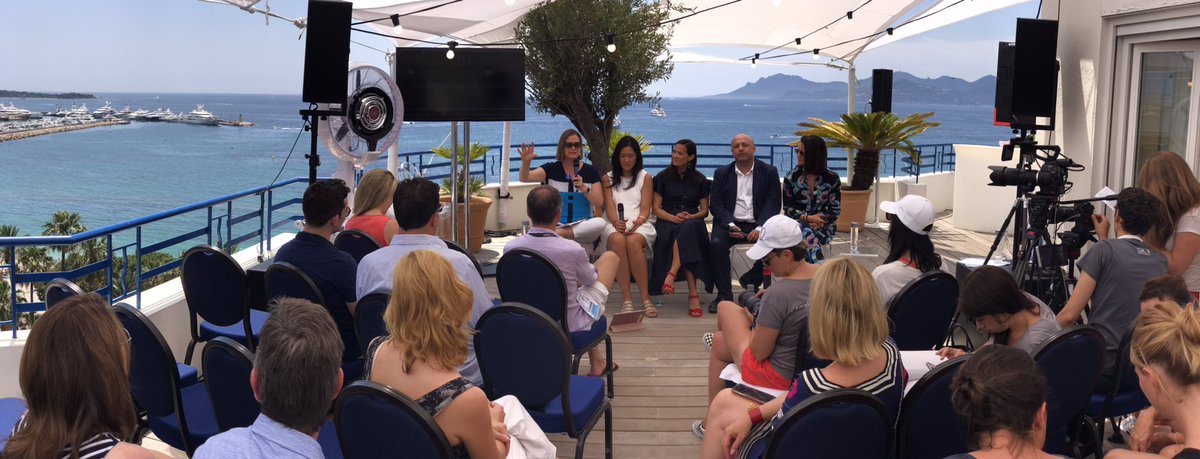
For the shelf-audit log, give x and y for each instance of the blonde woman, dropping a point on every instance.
(371, 203)
(846, 326)
(426, 345)
(1165, 351)
(1168, 177)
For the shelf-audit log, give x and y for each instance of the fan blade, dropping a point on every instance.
(357, 79)
(342, 132)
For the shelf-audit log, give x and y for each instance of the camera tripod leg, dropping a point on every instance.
(1003, 230)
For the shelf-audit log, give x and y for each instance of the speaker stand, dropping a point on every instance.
(314, 160)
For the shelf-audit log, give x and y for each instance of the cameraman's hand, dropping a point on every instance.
(1101, 224)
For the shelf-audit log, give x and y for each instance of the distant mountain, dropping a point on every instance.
(905, 88)
(41, 95)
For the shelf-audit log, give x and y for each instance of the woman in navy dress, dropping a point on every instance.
(681, 245)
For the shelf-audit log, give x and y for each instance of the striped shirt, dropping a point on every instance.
(95, 447)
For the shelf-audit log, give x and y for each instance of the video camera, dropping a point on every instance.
(1051, 180)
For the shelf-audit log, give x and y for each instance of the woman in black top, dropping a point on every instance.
(681, 205)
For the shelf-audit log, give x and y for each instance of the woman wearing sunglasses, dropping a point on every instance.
(569, 174)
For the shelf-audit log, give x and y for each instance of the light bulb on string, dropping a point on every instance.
(450, 52)
(817, 54)
(754, 62)
(396, 27)
(849, 17)
(611, 39)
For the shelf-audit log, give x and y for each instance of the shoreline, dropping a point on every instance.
(53, 130)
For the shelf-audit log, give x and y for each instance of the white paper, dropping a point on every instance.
(1105, 192)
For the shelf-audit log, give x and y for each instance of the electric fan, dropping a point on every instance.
(374, 113)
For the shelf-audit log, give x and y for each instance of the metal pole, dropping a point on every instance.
(454, 181)
(850, 87)
(466, 185)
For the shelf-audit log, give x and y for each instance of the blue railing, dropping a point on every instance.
(258, 211)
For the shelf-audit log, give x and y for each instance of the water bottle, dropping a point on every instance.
(1127, 424)
(524, 227)
(854, 238)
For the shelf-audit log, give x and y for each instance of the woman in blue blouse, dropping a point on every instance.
(812, 194)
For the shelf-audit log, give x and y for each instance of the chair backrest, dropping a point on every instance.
(368, 318)
(1071, 360)
(527, 277)
(458, 248)
(285, 279)
(153, 375)
(375, 421)
(805, 360)
(522, 352)
(227, 366)
(843, 423)
(928, 427)
(214, 285)
(356, 243)
(922, 311)
(59, 289)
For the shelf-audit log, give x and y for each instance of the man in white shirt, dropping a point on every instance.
(744, 194)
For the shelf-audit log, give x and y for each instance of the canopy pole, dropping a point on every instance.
(503, 197)
(393, 152)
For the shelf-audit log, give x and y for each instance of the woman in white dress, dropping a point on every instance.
(628, 191)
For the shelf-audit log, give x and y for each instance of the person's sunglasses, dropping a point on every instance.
(573, 145)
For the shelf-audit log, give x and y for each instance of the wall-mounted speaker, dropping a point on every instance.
(327, 51)
(881, 90)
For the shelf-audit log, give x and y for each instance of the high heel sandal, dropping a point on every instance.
(694, 306)
(651, 311)
(668, 286)
(627, 306)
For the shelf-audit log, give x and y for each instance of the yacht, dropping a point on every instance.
(658, 111)
(199, 116)
(104, 111)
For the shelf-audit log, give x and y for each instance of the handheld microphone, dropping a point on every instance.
(620, 211)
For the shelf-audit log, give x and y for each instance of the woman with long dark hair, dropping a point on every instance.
(910, 252)
(628, 192)
(681, 245)
(812, 193)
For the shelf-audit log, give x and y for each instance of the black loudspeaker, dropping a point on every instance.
(1035, 69)
(881, 90)
(327, 51)
(1003, 102)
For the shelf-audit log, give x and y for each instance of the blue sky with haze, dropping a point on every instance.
(190, 46)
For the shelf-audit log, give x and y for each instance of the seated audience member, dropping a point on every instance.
(1165, 351)
(587, 284)
(1000, 394)
(744, 194)
(764, 347)
(812, 193)
(1161, 289)
(372, 200)
(74, 377)
(569, 174)
(628, 195)
(415, 204)
(1168, 177)
(910, 252)
(427, 341)
(991, 298)
(681, 244)
(296, 377)
(333, 270)
(846, 326)
(1112, 273)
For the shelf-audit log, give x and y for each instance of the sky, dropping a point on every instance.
(189, 46)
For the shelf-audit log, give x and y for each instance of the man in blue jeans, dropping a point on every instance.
(744, 194)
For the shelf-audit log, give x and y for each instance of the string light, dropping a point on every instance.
(754, 62)
(396, 24)
(450, 52)
(797, 41)
(891, 30)
(849, 17)
(611, 39)
(817, 54)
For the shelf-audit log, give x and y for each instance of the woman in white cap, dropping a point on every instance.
(765, 347)
(910, 252)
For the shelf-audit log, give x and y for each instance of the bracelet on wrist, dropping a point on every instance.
(756, 415)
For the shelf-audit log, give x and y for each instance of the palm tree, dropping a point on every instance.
(64, 223)
(32, 259)
(869, 134)
(7, 231)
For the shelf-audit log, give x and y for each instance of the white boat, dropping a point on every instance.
(199, 116)
(104, 111)
(658, 111)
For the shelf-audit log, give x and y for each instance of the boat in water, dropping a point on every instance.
(199, 116)
(104, 111)
(658, 111)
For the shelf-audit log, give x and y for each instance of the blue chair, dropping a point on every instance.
(1117, 400)
(527, 277)
(375, 421)
(921, 313)
(11, 410)
(1071, 361)
(368, 318)
(179, 416)
(458, 248)
(928, 427)
(59, 289)
(356, 243)
(218, 301)
(843, 423)
(227, 366)
(522, 352)
(285, 279)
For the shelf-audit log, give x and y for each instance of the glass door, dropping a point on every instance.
(1163, 103)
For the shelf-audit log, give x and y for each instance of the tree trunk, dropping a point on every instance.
(866, 165)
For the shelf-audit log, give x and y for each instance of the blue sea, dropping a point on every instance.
(117, 173)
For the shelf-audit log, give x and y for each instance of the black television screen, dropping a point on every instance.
(477, 85)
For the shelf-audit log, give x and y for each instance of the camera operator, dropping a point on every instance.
(1114, 271)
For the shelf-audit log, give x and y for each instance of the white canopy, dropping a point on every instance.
(467, 21)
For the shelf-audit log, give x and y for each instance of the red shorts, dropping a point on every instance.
(761, 374)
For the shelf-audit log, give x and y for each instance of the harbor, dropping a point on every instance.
(18, 123)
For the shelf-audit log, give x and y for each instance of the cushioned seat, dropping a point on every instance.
(197, 408)
(187, 375)
(328, 440)
(11, 410)
(587, 396)
(583, 339)
(236, 331)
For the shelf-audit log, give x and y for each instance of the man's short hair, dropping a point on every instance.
(323, 200)
(414, 203)
(297, 361)
(1139, 210)
(543, 204)
(1166, 288)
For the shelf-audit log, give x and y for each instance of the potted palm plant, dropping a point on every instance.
(479, 204)
(865, 135)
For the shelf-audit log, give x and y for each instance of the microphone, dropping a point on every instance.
(620, 211)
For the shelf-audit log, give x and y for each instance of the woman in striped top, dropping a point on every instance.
(73, 414)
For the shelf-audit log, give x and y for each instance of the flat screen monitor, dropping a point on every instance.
(476, 85)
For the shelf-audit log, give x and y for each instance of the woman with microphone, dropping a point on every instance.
(628, 192)
(568, 174)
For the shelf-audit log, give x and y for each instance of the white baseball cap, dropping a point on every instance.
(915, 212)
(780, 232)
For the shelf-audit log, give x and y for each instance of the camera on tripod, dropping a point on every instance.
(1051, 180)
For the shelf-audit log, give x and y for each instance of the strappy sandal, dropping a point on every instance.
(668, 286)
(694, 306)
(651, 311)
(627, 306)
